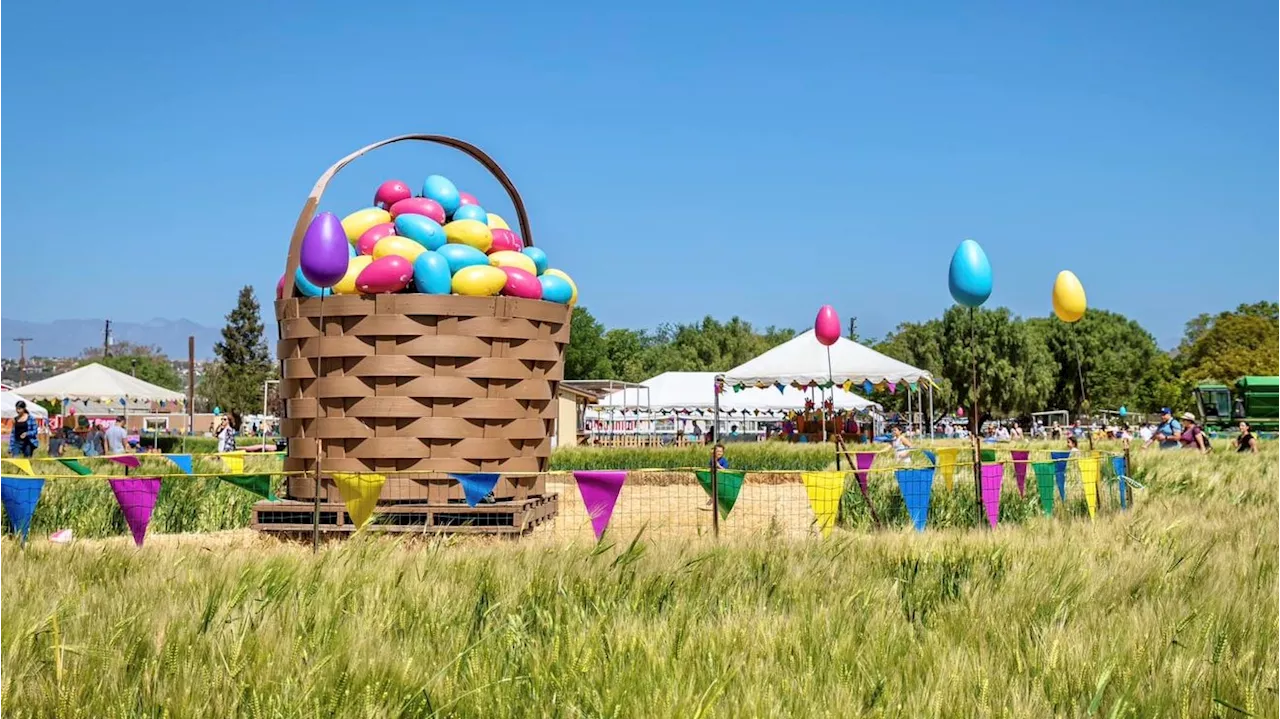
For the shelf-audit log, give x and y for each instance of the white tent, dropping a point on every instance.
(677, 391)
(803, 361)
(8, 406)
(99, 383)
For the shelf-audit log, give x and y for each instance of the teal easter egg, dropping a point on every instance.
(306, 287)
(969, 277)
(443, 191)
(421, 229)
(538, 256)
(471, 212)
(431, 274)
(555, 289)
(459, 256)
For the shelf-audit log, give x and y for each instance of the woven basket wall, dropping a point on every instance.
(417, 383)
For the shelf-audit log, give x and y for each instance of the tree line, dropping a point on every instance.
(1024, 364)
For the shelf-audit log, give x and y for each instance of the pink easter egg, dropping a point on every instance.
(384, 275)
(505, 240)
(391, 192)
(365, 244)
(418, 206)
(466, 198)
(280, 288)
(521, 283)
(826, 326)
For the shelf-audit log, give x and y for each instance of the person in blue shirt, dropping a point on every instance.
(24, 439)
(717, 460)
(1168, 431)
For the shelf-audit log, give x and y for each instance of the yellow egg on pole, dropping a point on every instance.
(355, 265)
(357, 222)
(573, 300)
(1068, 297)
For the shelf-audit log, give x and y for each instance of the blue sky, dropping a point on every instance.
(757, 159)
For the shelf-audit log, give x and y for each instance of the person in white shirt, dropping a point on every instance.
(115, 437)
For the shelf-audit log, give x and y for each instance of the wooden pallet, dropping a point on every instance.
(502, 518)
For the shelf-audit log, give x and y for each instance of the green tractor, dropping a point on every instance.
(1255, 400)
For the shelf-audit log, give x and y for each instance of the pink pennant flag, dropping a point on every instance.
(1020, 457)
(599, 490)
(865, 460)
(893, 387)
(992, 478)
(137, 498)
(128, 460)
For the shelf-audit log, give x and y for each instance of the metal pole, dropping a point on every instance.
(931, 422)
(191, 390)
(315, 527)
(976, 423)
(715, 466)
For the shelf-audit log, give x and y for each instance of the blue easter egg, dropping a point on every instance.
(459, 256)
(538, 256)
(443, 191)
(555, 289)
(308, 288)
(969, 278)
(431, 274)
(421, 229)
(471, 212)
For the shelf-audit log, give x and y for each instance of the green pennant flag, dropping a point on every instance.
(75, 466)
(987, 455)
(259, 484)
(729, 484)
(1044, 484)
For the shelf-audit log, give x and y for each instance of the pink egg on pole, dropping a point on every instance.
(391, 273)
(280, 288)
(365, 244)
(466, 198)
(391, 192)
(418, 206)
(826, 326)
(521, 283)
(505, 240)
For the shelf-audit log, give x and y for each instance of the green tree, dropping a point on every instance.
(234, 382)
(919, 344)
(587, 356)
(1015, 370)
(1235, 345)
(144, 362)
(1114, 354)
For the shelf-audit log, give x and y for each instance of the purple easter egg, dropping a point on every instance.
(521, 283)
(419, 206)
(391, 273)
(325, 251)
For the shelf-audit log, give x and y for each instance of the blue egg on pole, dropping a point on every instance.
(538, 256)
(307, 288)
(471, 212)
(969, 278)
(443, 191)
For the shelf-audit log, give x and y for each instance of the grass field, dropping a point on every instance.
(1170, 610)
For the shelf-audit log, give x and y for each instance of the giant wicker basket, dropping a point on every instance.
(418, 385)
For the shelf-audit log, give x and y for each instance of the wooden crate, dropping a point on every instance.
(503, 518)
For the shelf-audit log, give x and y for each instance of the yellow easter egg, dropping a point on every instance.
(496, 222)
(479, 281)
(1068, 297)
(469, 232)
(396, 245)
(357, 222)
(355, 265)
(573, 300)
(508, 258)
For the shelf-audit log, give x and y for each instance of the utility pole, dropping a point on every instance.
(853, 328)
(106, 340)
(22, 359)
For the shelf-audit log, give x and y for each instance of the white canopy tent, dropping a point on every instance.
(696, 390)
(9, 410)
(96, 383)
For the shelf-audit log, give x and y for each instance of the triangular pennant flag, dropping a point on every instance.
(20, 496)
(234, 461)
(259, 484)
(475, 487)
(128, 460)
(1117, 463)
(728, 486)
(600, 490)
(992, 479)
(913, 386)
(947, 464)
(75, 466)
(863, 461)
(929, 455)
(782, 388)
(847, 386)
(916, 486)
(137, 498)
(866, 386)
(1089, 477)
(824, 490)
(893, 388)
(360, 493)
(1020, 457)
(1045, 472)
(182, 461)
(987, 455)
(1060, 472)
(20, 463)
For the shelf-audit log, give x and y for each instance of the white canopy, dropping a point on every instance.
(9, 410)
(99, 383)
(696, 390)
(803, 361)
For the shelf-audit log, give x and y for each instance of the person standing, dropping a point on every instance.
(116, 438)
(718, 462)
(1192, 436)
(1246, 442)
(24, 439)
(226, 435)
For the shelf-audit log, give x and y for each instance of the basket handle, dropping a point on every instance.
(313, 200)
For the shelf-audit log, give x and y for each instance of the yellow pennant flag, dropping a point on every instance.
(824, 490)
(1089, 475)
(234, 461)
(947, 464)
(360, 494)
(20, 463)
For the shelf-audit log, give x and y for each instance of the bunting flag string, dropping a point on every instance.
(477, 486)
(259, 484)
(181, 461)
(137, 499)
(1089, 477)
(728, 486)
(360, 493)
(20, 463)
(916, 486)
(824, 490)
(75, 466)
(1117, 463)
(234, 461)
(20, 496)
(992, 481)
(1045, 472)
(863, 462)
(1060, 472)
(129, 460)
(947, 464)
(1020, 458)
(600, 490)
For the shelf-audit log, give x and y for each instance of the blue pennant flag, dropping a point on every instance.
(182, 460)
(19, 496)
(1117, 463)
(477, 486)
(1060, 472)
(933, 458)
(916, 486)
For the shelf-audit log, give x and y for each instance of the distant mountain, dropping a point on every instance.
(68, 338)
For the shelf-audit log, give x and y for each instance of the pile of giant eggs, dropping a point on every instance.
(438, 242)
